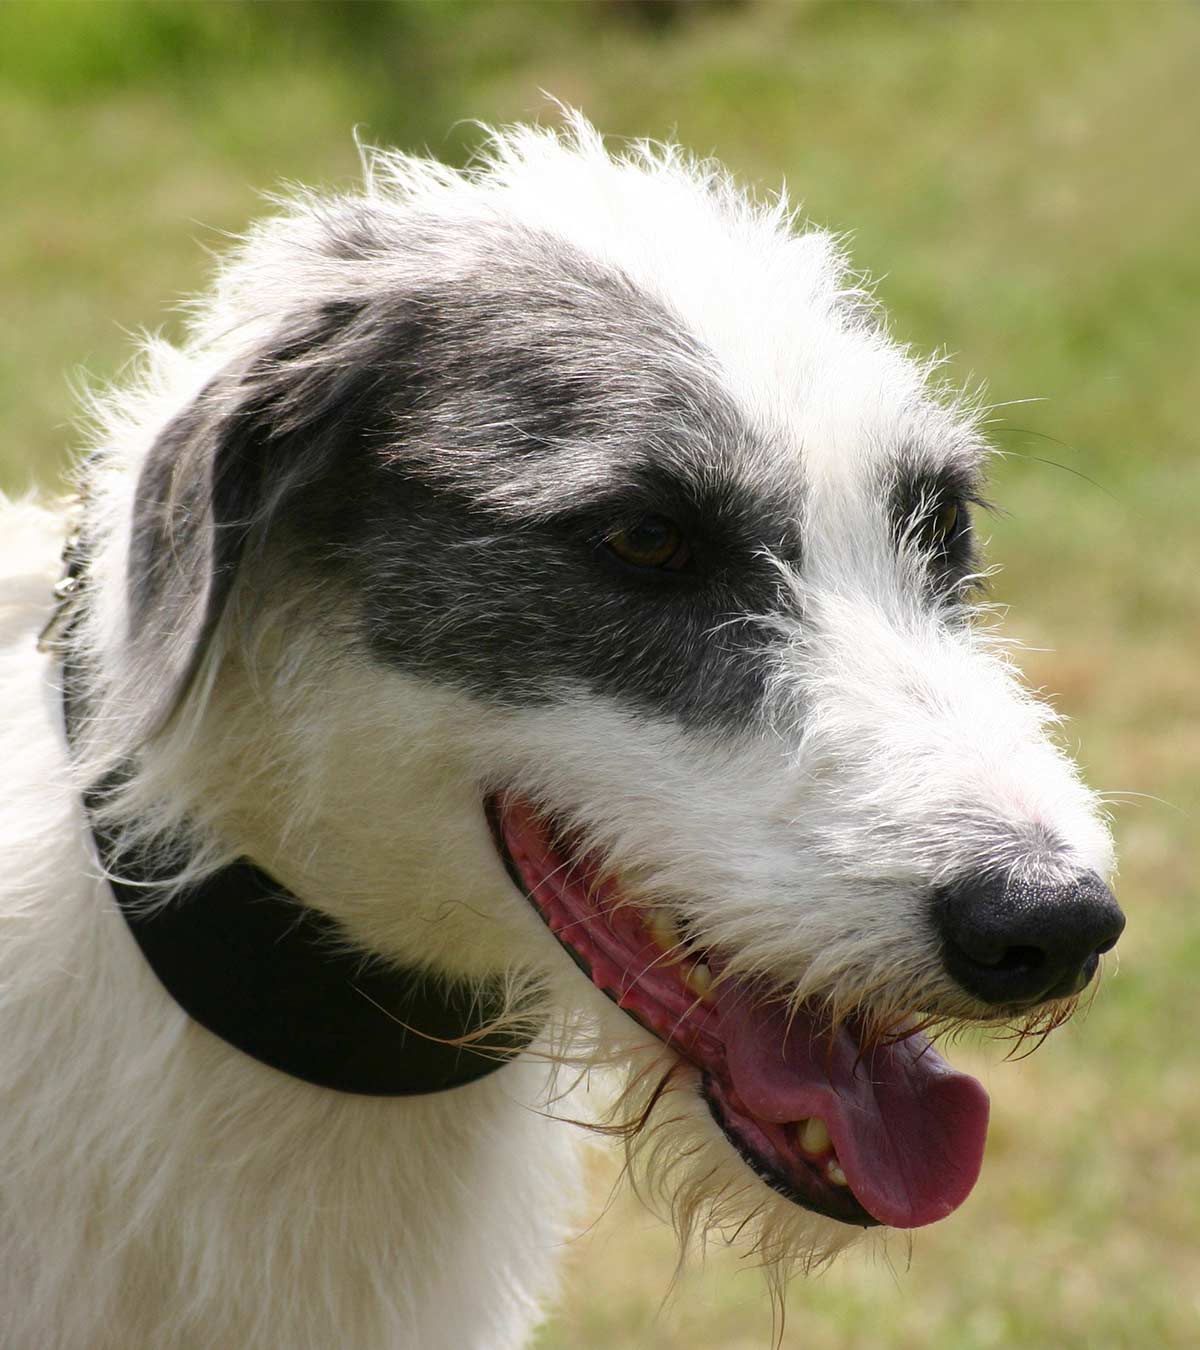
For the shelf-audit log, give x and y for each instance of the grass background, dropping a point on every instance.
(1023, 178)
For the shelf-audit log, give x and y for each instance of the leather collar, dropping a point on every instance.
(279, 980)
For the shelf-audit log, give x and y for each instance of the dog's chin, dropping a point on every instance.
(861, 1133)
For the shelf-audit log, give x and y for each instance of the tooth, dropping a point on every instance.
(835, 1174)
(699, 980)
(663, 931)
(813, 1136)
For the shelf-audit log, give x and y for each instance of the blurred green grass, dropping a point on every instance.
(1022, 178)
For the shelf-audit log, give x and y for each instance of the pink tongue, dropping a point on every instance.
(908, 1129)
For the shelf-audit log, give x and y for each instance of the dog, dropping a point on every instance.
(518, 670)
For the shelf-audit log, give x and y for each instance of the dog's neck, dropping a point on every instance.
(281, 981)
(278, 980)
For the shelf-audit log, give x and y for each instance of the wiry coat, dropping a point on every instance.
(436, 381)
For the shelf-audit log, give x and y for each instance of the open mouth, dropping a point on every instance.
(880, 1134)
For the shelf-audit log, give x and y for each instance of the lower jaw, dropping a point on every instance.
(750, 1138)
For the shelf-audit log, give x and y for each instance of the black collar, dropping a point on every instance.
(277, 979)
(280, 981)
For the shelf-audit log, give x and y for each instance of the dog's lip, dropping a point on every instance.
(766, 1070)
(764, 1149)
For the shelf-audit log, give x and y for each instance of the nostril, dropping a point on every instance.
(1017, 959)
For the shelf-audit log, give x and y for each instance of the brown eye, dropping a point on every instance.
(652, 541)
(944, 525)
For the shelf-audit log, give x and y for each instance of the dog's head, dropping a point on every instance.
(570, 530)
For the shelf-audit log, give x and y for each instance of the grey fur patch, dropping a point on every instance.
(458, 452)
(916, 487)
(524, 420)
(216, 475)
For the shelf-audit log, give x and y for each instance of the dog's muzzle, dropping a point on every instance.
(858, 1128)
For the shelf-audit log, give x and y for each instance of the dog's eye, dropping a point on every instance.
(652, 541)
(944, 523)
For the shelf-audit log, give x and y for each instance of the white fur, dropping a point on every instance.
(160, 1189)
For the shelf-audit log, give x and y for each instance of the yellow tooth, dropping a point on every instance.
(699, 980)
(813, 1136)
(835, 1174)
(666, 936)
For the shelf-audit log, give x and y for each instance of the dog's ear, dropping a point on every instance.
(215, 477)
(196, 497)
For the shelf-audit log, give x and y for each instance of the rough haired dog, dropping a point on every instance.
(526, 628)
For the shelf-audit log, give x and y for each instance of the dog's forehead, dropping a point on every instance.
(592, 375)
(542, 380)
(787, 330)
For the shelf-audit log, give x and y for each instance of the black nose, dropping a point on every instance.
(1022, 942)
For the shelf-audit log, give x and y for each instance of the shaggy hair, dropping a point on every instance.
(349, 557)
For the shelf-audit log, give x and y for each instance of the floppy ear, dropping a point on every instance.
(196, 497)
(216, 475)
